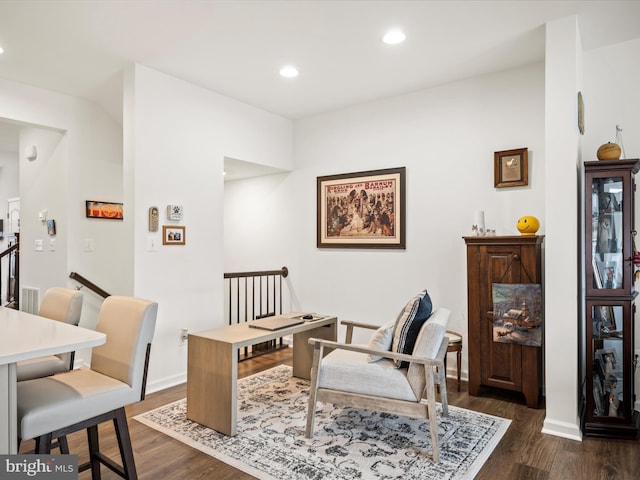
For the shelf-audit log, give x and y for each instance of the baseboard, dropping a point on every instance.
(453, 373)
(562, 429)
(166, 382)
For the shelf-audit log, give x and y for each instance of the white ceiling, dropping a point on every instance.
(237, 47)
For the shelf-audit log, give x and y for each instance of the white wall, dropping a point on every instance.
(612, 98)
(43, 186)
(562, 194)
(176, 138)
(89, 156)
(446, 138)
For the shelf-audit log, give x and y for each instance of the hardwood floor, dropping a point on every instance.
(523, 453)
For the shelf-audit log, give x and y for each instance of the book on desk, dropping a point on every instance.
(279, 322)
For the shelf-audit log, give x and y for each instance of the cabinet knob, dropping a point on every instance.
(516, 257)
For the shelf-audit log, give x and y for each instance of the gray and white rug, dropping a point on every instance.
(349, 443)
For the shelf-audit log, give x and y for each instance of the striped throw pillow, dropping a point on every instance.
(409, 323)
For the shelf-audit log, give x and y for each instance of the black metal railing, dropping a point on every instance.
(253, 295)
(11, 259)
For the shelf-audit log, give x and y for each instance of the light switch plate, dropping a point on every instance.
(152, 244)
(88, 244)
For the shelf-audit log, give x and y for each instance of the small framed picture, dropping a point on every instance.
(511, 168)
(172, 235)
(608, 317)
(51, 227)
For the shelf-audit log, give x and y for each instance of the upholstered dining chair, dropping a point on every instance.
(64, 403)
(63, 305)
(374, 379)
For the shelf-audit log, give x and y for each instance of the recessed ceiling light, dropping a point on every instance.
(289, 71)
(393, 37)
(1, 50)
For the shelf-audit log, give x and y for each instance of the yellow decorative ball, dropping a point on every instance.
(528, 225)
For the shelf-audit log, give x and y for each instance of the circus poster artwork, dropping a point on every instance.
(362, 210)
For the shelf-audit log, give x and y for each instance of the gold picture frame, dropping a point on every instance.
(173, 235)
(511, 168)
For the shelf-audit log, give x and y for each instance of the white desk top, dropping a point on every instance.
(24, 336)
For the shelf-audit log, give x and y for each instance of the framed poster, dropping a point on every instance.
(108, 210)
(362, 209)
(511, 168)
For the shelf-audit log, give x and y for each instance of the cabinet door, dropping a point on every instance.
(608, 386)
(500, 363)
(608, 243)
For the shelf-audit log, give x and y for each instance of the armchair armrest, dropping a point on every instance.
(319, 344)
(351, 324)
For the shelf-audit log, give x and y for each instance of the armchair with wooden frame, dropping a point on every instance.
(347, 376)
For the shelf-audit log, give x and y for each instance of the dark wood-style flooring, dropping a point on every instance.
(523, 453)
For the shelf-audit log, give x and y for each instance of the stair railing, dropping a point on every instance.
(90, 285)
(12, 255)
(253, 295)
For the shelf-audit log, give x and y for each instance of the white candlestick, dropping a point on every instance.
(480, 221)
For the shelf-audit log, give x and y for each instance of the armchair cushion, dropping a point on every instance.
(381, 339)
(348, 371)
(409, 323)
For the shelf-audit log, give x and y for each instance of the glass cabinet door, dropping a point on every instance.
(609, 392)
(610, 250)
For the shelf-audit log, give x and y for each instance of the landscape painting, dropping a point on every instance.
(517, 313)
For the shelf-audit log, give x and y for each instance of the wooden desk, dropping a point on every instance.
(212, 368)
(25, 336)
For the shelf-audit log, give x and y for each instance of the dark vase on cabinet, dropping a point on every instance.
(505, 366)
(608, 358)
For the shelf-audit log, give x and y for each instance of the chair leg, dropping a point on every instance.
(63, 445)
(124, 443)
(94, 451)
(431, 407)
(442, 382)
(43, 444)
(313, 389)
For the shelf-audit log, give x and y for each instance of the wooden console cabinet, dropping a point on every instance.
(506, 366)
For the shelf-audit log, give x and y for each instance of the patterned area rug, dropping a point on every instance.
(348, 443)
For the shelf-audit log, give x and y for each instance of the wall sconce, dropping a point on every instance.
(31, 153)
